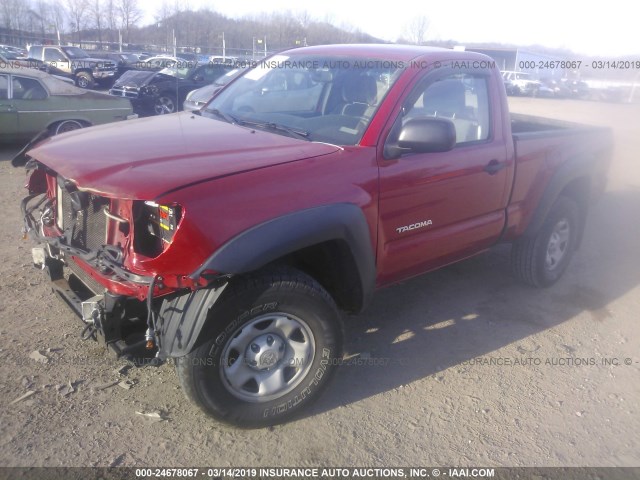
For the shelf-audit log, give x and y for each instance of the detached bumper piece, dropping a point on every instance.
(109, 319)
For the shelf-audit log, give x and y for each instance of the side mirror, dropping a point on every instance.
(423, 135)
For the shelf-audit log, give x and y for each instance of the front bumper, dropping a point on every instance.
(141, 104)
(103, 74)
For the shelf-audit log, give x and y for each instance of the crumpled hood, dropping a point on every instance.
(135, 78)
(145, 158)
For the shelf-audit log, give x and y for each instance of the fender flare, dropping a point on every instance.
(273, 239)
(573, 169)
(183, 318)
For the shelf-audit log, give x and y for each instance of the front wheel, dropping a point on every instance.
(274, 340)
(84, 80)
(541, 260)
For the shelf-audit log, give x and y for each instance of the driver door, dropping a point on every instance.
(436, 208)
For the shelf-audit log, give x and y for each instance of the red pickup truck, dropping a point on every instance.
(231, 239)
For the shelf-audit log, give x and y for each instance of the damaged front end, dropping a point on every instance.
(86, 244)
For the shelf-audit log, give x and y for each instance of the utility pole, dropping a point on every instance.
(175, 43)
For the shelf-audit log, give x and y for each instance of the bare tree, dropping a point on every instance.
(58, 16)
(77, 10)
(98, 17)
(130, 14)
(14, 14)
(415, 31)
(41, 11)
(111, 18)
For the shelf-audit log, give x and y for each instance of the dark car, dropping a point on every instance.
(552, 88)
(576, 88)
(124, 61)
(19, 52)
(157, 93)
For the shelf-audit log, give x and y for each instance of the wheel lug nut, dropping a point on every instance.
(255, 348)
(270, 340)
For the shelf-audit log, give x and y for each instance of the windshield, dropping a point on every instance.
(129, 57)
(75, 52)
(324, 99)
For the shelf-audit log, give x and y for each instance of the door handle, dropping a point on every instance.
(7, 108)
(494, 166)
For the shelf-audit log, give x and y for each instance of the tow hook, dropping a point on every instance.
(39, 256)
(149, 337)
(92, 313)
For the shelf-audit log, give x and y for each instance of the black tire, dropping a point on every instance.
(66, 126)
(165, 103)
(541, 260)
(248, 313)
(84, 80)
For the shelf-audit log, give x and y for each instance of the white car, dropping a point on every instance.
(520, 83)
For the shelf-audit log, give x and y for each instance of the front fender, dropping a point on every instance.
(276, 238)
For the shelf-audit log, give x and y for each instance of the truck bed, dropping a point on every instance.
(525, 124)
(542, 147)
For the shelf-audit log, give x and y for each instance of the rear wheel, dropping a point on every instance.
(164, 104)
(273, 342)
(542, 259)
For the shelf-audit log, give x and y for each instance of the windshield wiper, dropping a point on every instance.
(225, 116)
(276, 126)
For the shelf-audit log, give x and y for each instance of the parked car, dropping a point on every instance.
(33, 101)
(19, 52)
(10, 59)
(552, 88)
(124, 61)
(196, 99)
(141, 55)
(189, 57)
(576, 88)
(520, 83)
(157, 93)
(242, 236)
(74, 63)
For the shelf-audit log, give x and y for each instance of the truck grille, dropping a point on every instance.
(106, 67)
(89, 229)
(128, 92)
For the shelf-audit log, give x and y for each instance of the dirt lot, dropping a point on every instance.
(430, 397)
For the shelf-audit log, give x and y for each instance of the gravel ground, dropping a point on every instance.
(459, 367)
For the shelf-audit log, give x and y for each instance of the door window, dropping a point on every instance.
(461, 98)
(53, 55)
(27, 89)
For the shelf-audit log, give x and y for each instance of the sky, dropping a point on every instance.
(600, 28)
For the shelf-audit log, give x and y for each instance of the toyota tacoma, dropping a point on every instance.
(231, 240)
